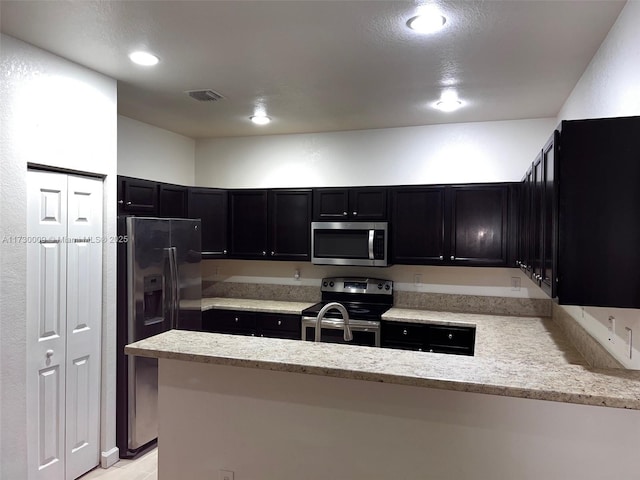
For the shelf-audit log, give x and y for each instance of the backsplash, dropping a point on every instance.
(524, 307)
(535, 307)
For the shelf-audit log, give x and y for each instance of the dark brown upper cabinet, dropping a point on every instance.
(172, 201)
(210, 206)
(289, 224)
(270, 224)
(352, 204)
(417, 226)
(137, 197)
(479, 225)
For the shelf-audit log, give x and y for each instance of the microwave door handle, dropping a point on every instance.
(371, 232)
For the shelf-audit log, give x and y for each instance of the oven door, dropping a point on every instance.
(365, 332)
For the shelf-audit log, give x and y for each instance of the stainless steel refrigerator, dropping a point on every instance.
(159, 288)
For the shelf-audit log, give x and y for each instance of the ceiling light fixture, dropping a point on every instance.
(448, 102)
(143, 58)
(260, 119)
(428, 22)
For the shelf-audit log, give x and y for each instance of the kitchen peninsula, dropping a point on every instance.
(273, 408)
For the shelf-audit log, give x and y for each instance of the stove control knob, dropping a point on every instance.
(324, 284)
(387, 287)
(379, 286)
(331, 284)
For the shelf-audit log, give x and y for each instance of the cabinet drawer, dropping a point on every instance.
(404, 333)
(283, 323)
(452, 339)
(228, 321)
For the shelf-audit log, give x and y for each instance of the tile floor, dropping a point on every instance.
(143, 468)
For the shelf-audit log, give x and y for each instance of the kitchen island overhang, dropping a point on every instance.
(270, 408)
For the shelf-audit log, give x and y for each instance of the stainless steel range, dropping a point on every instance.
(365, 300)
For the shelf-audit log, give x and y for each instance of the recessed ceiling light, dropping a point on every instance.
(143, 58)
(448, 102)
(427, 22)
(260, 119)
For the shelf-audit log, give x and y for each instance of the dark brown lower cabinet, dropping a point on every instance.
(428, 337)
(261, 324)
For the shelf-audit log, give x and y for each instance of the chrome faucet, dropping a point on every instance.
(348, 336)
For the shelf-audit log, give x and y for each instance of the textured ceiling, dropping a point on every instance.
(322, 65)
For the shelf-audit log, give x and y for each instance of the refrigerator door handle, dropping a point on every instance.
(173, 280)
(176, 287)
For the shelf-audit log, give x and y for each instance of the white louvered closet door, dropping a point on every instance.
(64, 320)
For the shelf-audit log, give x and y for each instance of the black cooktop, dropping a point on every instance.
(357, 310)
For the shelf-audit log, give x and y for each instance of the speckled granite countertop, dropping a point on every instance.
(267, 306)
(534, 364)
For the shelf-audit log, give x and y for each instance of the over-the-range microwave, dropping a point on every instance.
(349, 243)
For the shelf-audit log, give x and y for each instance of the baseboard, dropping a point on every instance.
(110, 457)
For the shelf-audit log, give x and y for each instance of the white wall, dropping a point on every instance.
(460, 152)
(610, 87)
(146, 151)
(287, 426)
(60, 114)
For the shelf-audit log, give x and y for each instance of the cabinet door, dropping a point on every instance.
(172, 201)
(537, 219)
(368, 204)
(524, 222)
(549, 217)
(417, 225)
(289, 224)
(479, 221)
(210, 206)
(248, 223)
(137, 197)
(330, 204)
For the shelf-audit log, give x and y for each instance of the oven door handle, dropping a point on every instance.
(371, 235)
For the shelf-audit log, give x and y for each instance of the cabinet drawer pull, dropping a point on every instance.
(224, 252)
(279, 322)
(404, 332)
(450, 336)
(236, 319)
(441, 257)
(453, 257)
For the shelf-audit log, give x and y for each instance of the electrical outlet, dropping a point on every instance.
(296, 274)
(417, 279)
(515, 283)
(612, 328)
(226, 475)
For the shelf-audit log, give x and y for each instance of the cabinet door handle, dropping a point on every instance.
(453, 257)
(236, 319)
(128, 203)
(404, 332)
(279, 322)
(441, 257)
(273, 253)
(264, 253)
(224, 252)
(49, 353)
(344, 214)
(355, 214)
(120, 202)
(450, 336)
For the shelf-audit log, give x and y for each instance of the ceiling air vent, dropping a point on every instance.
(204, 95)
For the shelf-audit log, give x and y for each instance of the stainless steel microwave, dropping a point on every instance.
(349, 243)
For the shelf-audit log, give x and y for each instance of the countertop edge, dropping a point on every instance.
(407, 380)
